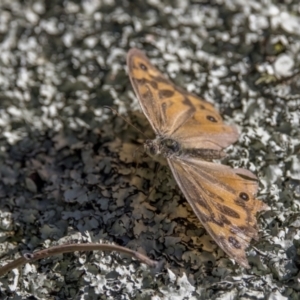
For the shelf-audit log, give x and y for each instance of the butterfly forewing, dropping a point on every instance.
(191, 133)
(175, 113)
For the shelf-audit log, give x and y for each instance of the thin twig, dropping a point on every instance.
(67, 248)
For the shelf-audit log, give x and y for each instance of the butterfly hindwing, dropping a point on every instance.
(223, 200)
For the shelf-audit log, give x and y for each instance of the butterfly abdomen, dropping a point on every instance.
(205, 154)
(169, 147)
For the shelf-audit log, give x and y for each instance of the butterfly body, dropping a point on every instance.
(190, 134)
(170, 148)
(162, 146)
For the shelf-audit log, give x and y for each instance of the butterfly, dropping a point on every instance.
(190, 134)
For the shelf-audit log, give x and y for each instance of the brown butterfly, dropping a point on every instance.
(190, 134)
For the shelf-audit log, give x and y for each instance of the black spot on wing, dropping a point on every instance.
(187, 102)
(220, 221)
(143, 67)
(225, 220)
(242, 199)
(141, 81)
(211, 119)
(202, 203)
(228, 211)
(165, 94)
(234, 242)
(244, 196)
(147, 95)
(153, 84)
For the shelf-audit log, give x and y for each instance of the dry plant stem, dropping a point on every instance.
(30, 257)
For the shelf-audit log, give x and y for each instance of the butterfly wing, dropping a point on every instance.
(224, 201)
(175, 113)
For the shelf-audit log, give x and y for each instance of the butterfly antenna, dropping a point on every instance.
(129, 123)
